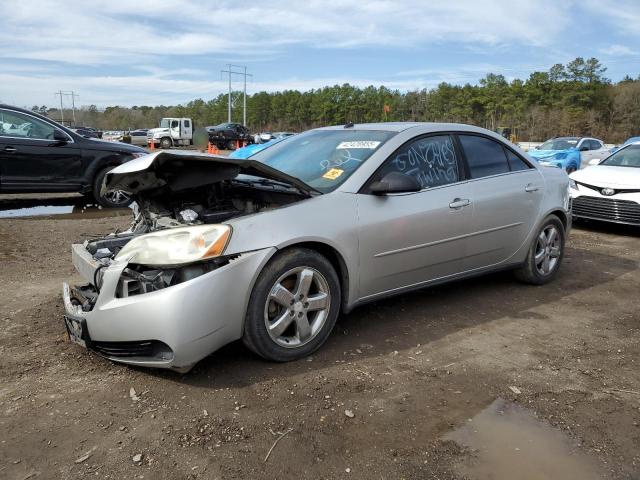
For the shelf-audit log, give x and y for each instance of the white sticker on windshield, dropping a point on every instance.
(370, 144)
(571, 142)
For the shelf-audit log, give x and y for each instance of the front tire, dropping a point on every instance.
(545, 254)
(115, 199)
(165, 143)
(293, 306)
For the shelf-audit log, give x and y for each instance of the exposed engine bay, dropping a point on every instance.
(215, 203)
(180, 189)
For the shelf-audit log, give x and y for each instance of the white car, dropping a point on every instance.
(609, 189)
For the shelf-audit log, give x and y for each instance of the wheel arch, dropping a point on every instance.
(335, 258)
(562, 215)
(100, 162)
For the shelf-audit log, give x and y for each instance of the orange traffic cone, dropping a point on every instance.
(211, 148)
(152, 145)
(238, 144)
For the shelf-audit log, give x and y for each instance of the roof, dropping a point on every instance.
(402, 126)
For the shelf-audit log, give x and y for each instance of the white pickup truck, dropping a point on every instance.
(173, 132)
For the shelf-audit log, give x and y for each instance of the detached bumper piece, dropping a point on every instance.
(607, 209)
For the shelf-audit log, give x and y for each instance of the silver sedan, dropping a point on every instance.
(272, 249)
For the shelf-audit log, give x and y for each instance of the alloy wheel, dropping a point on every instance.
(117, 197)
(548, 250)
(297, 307)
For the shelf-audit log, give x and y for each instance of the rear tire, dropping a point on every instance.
(545, 253)
(115, 199)
(293, 306)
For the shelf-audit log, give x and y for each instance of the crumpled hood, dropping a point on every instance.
(181, 169)
(546, 154)
(606, 176)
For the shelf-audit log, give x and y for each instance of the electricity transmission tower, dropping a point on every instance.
(235, 70)
(73, 96)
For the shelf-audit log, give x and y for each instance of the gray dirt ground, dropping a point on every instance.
(410, 368)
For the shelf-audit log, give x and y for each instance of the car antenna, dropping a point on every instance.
(348, 125)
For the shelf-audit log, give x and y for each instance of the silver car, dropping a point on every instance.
(272, 249)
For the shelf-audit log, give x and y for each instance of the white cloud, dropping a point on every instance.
(618, 50)
(623, 14)
(159, 89)
(117, 32)
(46, 40)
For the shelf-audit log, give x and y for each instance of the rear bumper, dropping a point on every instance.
(179, 325)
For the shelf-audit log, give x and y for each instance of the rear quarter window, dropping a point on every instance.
(515, 162)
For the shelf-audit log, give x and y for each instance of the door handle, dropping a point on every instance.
(459, 203)
(9, 149)
(530, 188)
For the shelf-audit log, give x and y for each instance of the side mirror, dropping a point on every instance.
(395, 182)
(594, 161)
(60, 136)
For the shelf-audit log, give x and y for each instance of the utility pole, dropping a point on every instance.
(244, 99)
(73, 96)
(244, 74)
(73, 105)
(59, 92)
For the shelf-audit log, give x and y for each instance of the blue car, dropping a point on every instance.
(627, 142)
(569, 152)
(245, 152)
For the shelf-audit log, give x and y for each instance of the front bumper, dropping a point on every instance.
(623, 208)
(170, 328)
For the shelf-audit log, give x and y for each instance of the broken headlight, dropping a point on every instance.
(177, 246)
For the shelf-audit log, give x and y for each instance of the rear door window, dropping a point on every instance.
(595, 145)
(485, 157)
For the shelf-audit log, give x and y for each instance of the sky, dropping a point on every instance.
(157, 52)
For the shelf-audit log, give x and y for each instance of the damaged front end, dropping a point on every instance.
(177, 237)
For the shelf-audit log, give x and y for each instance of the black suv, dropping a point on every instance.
(225, 135)
(40, 155)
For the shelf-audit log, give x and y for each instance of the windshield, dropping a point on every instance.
(323, 159)
(164, 123)
(559, 143)
(625, 157)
